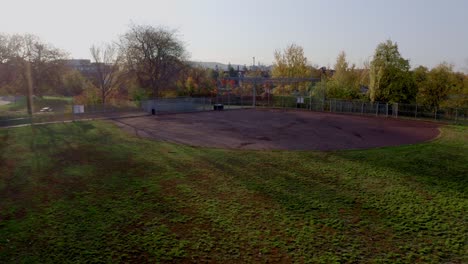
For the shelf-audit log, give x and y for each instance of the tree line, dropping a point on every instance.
(386, 78)
(148, 61)
(144, 62)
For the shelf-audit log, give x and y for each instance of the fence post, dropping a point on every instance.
(282, 96)
(456, 114)
(435, 114)
(330, 105)
(254, 94)
(362, 108)
(386, 113)
(416, 112)
(377, 109)
(396, 110)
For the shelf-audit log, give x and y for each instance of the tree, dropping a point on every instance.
(196, 81)
(421, 81)
(420, 76)
(390, 78)
(344, 83)
(457, 96)
(213, 74)
(7, 47)
(190, 86)
(439, 85)
(231, 71)
(31, 66)
(107, 69)
(7, 72)
(73, 83)
(154, 55)
(47, 67)
(292, 63)
(45, 62)
(364, 78)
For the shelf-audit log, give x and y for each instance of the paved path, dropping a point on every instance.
(3, 102)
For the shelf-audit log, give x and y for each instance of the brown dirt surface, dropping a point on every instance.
(272, 129)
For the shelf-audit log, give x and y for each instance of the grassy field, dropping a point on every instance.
(87, 192)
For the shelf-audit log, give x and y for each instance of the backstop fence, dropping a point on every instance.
(176, 105)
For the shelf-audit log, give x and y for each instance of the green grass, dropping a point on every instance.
(57, 103)
(87, 192)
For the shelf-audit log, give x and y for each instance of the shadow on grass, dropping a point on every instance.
(437, 165)
(76, 192)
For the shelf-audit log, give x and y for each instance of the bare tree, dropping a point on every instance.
(5, 49)
(4, 55)
(31, 66)
(154, 55)
(9, 61)
(107, 69)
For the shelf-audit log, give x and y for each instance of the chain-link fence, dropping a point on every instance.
(13, 110)
(357, 107)
(396, 110)
(420, 111)
(366, 108)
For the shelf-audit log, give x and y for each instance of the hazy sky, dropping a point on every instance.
(428, 32)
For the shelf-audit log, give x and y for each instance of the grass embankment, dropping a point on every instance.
(87, 192)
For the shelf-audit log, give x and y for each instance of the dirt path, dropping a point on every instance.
(268, 129)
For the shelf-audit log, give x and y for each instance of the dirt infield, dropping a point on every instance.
(263, 129)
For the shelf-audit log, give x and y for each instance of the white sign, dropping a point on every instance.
(300, 100)
(78, 109)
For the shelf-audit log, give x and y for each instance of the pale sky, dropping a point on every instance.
(428, 32)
